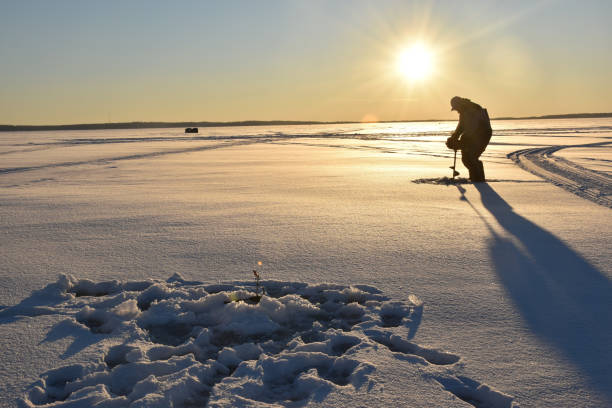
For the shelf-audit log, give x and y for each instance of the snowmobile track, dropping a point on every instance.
(590, 184)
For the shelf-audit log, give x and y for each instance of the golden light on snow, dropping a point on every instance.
(416, 62)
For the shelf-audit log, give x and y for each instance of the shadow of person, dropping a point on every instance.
(564, 300)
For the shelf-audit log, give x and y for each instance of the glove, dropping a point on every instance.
(453, 143)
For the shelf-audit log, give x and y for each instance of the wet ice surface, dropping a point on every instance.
(181, 344)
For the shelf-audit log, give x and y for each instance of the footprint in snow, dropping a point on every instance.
(181, 344)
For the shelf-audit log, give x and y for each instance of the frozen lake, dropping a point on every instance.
(514, 274)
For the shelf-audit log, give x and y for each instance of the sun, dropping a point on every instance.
(416, 63)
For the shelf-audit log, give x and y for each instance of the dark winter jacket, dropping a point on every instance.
(474, 128)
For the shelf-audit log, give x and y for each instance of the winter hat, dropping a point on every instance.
(456, 101)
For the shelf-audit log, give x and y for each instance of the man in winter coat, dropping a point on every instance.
(471, 136)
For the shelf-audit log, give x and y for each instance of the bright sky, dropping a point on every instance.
(98, 61)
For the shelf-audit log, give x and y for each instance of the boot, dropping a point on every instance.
(479, 177)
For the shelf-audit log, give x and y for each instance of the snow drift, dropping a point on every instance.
(179, 343)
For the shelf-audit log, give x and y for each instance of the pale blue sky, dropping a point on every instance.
(98, 61)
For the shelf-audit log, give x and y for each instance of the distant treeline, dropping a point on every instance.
(564, 116)
(152, 125)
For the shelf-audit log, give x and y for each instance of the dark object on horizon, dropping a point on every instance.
(471, 136)
(191, 130)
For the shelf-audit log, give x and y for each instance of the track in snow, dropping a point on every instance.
(590, 184)
(184, 344)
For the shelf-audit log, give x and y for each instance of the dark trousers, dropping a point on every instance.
(469, 157)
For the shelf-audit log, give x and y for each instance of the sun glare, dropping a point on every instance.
(416, 62)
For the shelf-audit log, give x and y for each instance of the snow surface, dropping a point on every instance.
(588, 183)
(184, 343)
(381, 291)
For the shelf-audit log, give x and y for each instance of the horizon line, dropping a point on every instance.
(178, 124)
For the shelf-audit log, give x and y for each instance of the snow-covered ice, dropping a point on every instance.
(127, 258)
(179, 343)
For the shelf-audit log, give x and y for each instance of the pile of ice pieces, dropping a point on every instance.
(444, 180)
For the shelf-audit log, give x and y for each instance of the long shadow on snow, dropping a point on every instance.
(565, 300)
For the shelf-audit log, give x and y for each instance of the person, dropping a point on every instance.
(471, 136)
